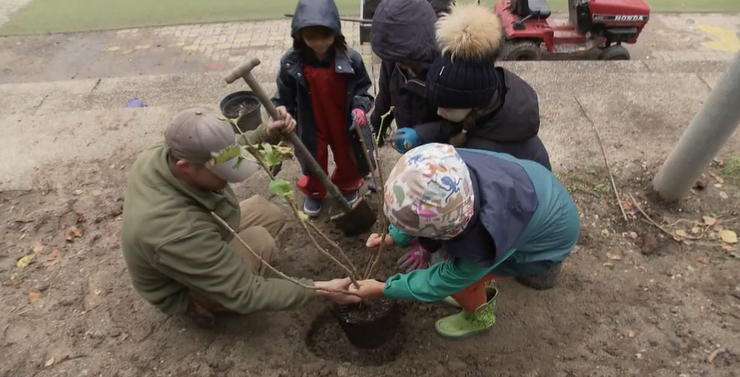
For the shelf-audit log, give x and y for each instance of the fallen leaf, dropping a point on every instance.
(33, 296)
(717, 178)
(723, 195)
(715, 353)
(609, 265)
(703, 260)
(627, 205)
(53, 258)
(727, 247)
(735, 255)
(78, 192)
(631, 334)
(696, 230)
(614, 256)
(681, 233)
(728, 236)
(649, 244)
(73, 233)
(49, 362)
(25, 261)
(708, 220)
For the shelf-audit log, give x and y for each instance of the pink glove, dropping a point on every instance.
(359, 117)
(416, 258)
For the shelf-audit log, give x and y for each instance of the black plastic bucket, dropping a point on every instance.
(373, 333)
(247, 119)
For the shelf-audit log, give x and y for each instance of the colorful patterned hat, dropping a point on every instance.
(429, 192)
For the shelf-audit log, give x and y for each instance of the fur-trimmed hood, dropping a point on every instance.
(469, 31)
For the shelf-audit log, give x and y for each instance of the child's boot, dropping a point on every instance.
(466, 324)
(312, 207)
(352, 197)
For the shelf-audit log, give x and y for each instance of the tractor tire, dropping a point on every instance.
(615, 52)
(521, 51)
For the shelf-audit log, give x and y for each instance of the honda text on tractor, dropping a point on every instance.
(594, 29)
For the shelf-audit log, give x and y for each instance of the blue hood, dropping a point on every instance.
(315, 13)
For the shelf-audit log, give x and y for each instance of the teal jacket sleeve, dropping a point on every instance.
(399, 238)
(436, 282)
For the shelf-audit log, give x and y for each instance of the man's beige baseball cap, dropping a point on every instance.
(200, 136)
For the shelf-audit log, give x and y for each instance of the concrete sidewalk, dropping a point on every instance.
(217, 47)
(639, 108)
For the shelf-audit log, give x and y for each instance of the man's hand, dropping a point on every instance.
(285, 124)
(368, 288)
(373, 242)
(337, 285)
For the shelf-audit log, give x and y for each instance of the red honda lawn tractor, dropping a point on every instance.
(595, 29)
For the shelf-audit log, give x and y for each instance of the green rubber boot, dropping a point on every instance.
(451, 301)
(466, 324)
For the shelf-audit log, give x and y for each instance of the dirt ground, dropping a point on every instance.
(634, 300)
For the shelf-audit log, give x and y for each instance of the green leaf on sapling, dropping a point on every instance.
(303, 216)
(285, 151)
(281, 188)
(271, 159)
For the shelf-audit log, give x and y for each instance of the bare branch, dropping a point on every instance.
(606, 161)
(332, 244)
(273, 269)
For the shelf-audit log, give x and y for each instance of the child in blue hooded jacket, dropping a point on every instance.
(495, 216)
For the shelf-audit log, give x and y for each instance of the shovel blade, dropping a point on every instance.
(360, 220)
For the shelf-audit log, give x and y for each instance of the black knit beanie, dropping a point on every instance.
(456, 83)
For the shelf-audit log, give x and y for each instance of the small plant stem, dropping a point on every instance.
(377, 256)
(332, 244)
(298, 217)
(273, 269)
(381, 215)
(321, 249)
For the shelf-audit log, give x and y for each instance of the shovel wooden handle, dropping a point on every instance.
(245, 72)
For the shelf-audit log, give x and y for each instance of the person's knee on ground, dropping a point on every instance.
(544, 280)
(202, 309)
(259, 240)
(258, 211)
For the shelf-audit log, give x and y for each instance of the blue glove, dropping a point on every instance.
(405, 139)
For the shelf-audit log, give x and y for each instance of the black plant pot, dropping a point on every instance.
(370, 333)
(245, 107)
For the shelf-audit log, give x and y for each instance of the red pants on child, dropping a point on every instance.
(329, 102)
(474, 296)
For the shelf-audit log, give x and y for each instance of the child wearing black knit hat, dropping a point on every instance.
(483, 106)
(488, 107)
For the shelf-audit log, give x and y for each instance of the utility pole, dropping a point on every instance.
(707, 133)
